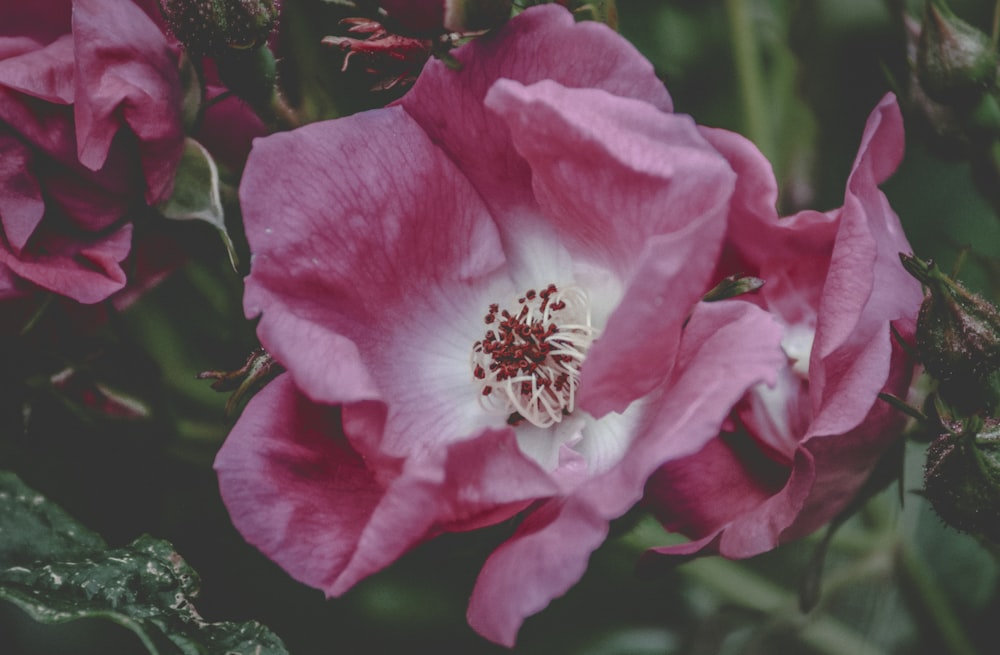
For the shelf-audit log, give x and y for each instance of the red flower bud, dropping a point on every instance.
(955, 61)
(211, 27)
(962, 477)
(958, 339)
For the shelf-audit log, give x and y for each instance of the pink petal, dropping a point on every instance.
(632, 190)
(293, 486)
(87, 272)
(726, 479)
(791, 254)
(466, 485)
(448, 103)
(376, 237)
(126, 70)
(866, 287)
(40, 72)
(854, 358)
(726, 347)
(545, 557)
(21, 203)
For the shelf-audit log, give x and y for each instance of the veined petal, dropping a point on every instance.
(293, 486)
(462, 486)
(448, 103)
(125, 69)
(866, 288)
(636, 191)
(371, 252)
(87, 272)
(21, 203)
(717, 363)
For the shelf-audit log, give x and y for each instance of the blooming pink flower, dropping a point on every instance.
(90, 133)
(486, 297)
(803, 448)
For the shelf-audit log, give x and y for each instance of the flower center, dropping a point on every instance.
(528, 364)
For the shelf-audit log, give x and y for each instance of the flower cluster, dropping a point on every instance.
(487, 297)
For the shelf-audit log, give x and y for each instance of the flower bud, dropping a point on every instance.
(211, 27)
(955, 61)
(958, 338)
(962, 477)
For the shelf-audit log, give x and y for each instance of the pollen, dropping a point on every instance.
(527, 366)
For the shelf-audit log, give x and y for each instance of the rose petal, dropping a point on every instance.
(375, 223)
(717, 362)
(45, 73)
(866, 288)
(21, 203)
(448, 103)
(293, 486)
(125, 69)
(87, 272)
(854, 358)
(636, 191)
(463, 486)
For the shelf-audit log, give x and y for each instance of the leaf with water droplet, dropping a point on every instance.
(56, 570)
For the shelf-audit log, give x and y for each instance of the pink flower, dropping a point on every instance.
(546, 179)
(803, 449)
(90, 133)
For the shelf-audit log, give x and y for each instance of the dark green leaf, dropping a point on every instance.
(56, 570)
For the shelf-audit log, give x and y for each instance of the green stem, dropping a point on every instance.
(933, 602)
(747, 61)
(739, 586)
(995, 31)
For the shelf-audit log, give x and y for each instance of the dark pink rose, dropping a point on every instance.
(801, 449)
(487, 300)
(90, 134)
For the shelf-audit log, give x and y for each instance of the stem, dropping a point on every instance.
(995, 31)
(746, 58)
(932, 600)
(739, 586)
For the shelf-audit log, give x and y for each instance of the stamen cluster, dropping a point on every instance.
(529, 361)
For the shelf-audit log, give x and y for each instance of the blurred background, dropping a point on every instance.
(895, 580)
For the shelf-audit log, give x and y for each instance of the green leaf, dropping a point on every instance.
(196, 193)
(56, 570)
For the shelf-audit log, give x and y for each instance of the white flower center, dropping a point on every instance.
(528, 364)
(797, 343)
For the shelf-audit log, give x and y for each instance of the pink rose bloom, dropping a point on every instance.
(800, 451)
(487, 300)
(90, 133)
